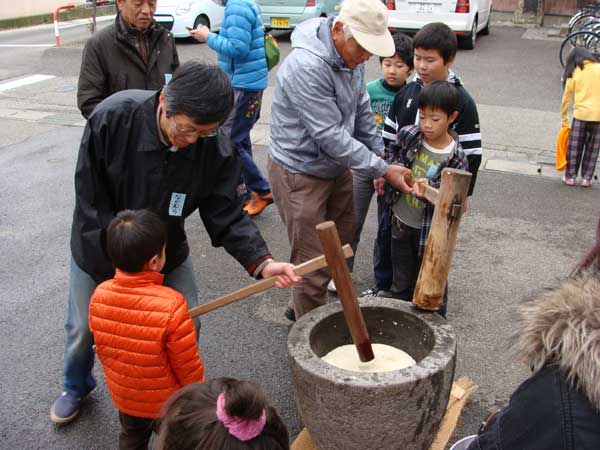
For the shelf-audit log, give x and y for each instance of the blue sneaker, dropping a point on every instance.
(65, 408)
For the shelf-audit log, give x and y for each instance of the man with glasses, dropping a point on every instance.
(132, 53)
(161, 151)
(321, 126)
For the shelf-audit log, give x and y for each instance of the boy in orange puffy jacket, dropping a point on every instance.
(144, 335)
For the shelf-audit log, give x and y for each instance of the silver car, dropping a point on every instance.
(286, 14)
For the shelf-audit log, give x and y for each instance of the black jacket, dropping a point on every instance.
(558, 408)
(545, 413)
(123, 165)
(113, 60)
(404, 112)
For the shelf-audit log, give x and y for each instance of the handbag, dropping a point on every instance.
(561, 148)
(272, 53)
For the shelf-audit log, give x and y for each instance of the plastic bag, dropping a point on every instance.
(271, 51)
(561, 148)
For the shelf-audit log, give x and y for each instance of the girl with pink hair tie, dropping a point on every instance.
(221, 414)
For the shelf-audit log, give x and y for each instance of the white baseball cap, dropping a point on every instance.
(368, 20)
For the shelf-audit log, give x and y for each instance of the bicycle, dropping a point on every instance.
(586, 13)
(587, 39)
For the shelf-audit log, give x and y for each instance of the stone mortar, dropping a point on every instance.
(399, 410)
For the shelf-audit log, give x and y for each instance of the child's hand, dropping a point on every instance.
(418, 188)
(285, 272)
(378, 184)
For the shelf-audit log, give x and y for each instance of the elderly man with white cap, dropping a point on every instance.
(321, 127)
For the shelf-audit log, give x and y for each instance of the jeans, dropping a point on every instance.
(245, 114)
(79, 355)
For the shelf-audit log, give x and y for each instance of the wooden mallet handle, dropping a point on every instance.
(262, 285)
(332, 248)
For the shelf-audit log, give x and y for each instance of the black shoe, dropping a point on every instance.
(290, 314)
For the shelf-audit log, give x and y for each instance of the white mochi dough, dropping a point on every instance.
(387, 358)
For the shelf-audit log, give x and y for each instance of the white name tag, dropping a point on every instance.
(176, 205)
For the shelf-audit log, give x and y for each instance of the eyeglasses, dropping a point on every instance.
(190, 132)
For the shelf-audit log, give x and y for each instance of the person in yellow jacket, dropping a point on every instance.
(582, 80)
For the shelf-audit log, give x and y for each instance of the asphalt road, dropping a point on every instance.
(521, 234)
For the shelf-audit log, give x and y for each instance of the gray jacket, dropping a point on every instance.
(321, 121)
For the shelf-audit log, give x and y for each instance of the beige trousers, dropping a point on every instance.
(304, 201)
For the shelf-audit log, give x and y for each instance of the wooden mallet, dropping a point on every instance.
(332, 248)
(262, 285)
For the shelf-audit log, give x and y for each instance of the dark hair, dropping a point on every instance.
(439, 95)
(576, 59)
(134, 237)
(200, 91)
(190, 422)
(404, 48)
(592, 259)
(437, 36)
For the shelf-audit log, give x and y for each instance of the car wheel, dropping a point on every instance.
(468, 43)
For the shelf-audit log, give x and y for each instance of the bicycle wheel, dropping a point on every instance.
(587, 39)
(578, 20)
(592, 25)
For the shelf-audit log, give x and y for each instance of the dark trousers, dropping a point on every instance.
(406, 262)
(382, 249)
(135, 432)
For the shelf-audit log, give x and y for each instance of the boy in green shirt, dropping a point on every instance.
(396, 71)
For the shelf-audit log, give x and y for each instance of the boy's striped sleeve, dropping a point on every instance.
(390, 126)
(469, 136)
(468, 130)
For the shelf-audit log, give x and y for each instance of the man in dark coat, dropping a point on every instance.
(159, 150)
(132, 53)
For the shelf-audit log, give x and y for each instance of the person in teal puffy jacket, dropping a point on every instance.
(241, 49)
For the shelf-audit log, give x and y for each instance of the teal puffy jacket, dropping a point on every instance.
(241, 46)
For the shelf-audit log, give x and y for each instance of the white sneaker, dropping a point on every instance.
(331, 286)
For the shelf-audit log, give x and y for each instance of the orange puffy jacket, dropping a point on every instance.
(145, 340)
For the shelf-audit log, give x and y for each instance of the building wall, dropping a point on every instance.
(10, 9)
(561, 7)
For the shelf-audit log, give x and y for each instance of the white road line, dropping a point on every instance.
(25, 45)
(24, 81)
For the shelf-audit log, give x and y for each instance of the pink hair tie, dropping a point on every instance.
(242, 429)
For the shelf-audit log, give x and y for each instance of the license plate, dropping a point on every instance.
(279, 22)
(424, 7)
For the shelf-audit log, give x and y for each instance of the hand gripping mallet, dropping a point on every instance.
(262, 285)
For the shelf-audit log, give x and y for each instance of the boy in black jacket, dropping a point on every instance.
(434, 51)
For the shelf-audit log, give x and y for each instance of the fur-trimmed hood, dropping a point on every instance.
(562, 327)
